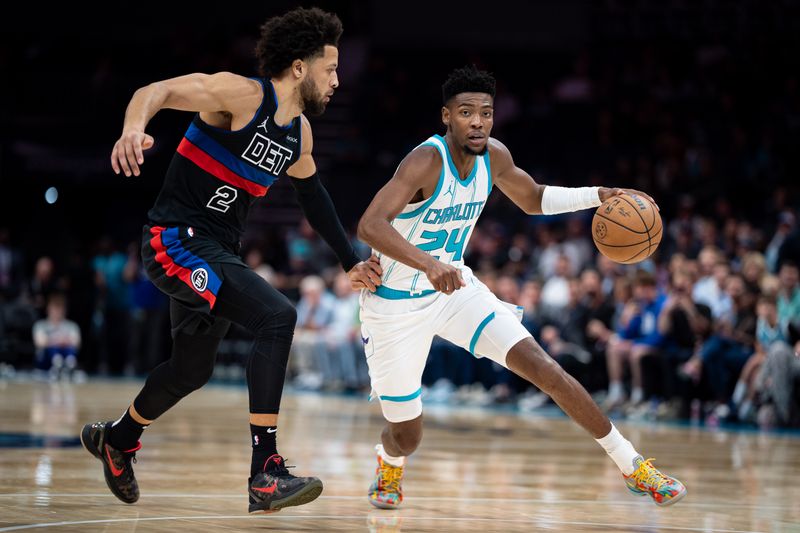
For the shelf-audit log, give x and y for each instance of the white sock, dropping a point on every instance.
(615, 390)
(394, 461)
(637, 395)
(739, 392)
(619, 449)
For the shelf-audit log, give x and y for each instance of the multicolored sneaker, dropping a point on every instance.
(116, 464)
(386, 491)
(647, 480)
(275, 488)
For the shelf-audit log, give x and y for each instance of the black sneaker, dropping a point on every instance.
(116, 464)
(275, 488)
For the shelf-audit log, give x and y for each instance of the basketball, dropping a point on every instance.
(627, 228)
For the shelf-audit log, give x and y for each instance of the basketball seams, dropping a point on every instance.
(627, 198)
(636, 209)
(620, 225)
(655, 235)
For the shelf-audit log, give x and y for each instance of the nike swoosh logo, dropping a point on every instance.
(267, 490)
(114, 470)
(365, 341)
(272, 430)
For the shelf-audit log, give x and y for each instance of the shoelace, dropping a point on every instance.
(648, 474)
(281, 471)
(391, 476)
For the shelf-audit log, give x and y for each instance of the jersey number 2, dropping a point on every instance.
(223, 199)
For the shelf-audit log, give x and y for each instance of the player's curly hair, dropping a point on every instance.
(299, 34)
(467, 80)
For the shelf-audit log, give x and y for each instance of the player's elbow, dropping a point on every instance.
(363, 229)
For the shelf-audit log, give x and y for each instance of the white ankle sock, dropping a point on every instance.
(615, 390)
(637, 395)
(394, 461)
(619, 449)
(739, 392)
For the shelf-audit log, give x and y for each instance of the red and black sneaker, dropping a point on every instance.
(116, 464)
(275, 488)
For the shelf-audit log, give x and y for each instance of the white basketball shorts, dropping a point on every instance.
(397, 336)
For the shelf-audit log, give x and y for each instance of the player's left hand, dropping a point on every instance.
(607, 192)
(366, 274)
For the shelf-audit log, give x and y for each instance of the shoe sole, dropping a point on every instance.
(307, 494)
(381, 505)
(674, 500)
(88, 443)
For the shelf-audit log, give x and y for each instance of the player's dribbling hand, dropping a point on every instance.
(444, 278)
(128, 154)
(366, 274)
(607, 192)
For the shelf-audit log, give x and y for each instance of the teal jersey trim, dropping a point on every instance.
(478, 332)
(452, 165)
(429, 201)
(488, 164)
(393, 294)
(406, 398)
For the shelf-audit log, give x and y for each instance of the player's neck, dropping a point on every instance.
(288, 95)
(463, 161)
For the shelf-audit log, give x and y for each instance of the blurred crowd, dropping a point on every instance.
(710, 335)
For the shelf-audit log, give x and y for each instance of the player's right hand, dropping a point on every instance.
(128, 154)
(444, 278)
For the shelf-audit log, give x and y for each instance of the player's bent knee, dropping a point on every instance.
(194, 380)
(532, 362)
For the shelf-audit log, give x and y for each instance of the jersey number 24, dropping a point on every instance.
(450, 241)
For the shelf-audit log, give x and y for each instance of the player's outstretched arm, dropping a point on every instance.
(321, 214)
(223, 92)
(537, 199)
(418, 171)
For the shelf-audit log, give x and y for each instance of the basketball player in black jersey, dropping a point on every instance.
(248, 132)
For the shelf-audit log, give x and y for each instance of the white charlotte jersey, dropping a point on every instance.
(440, 225)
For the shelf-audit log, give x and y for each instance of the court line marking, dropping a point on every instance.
(538, 521)
(407, 499)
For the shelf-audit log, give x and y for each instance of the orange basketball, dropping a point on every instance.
(627, 228)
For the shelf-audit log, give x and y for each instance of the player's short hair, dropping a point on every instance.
(299, 34)
(467, 80)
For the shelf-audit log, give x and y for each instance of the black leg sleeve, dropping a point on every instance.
(246, 299)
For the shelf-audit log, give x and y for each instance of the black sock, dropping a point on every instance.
(125, 432)
(264, 446)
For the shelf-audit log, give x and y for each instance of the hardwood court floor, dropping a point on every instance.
(476, 470)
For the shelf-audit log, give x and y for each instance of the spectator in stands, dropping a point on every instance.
(710, 288)
(42, 284)
(149, 319)
(724, 354)
(786, 224)
(679, 323)
(314, 315)
(636, 337)
(555, 291)
(113, 304)
(768, 331)
(789, 294)
(57, 340)
(344, 365)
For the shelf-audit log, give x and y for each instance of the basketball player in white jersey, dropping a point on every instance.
(419, 224)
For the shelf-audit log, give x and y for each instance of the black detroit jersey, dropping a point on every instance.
(216, 174)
